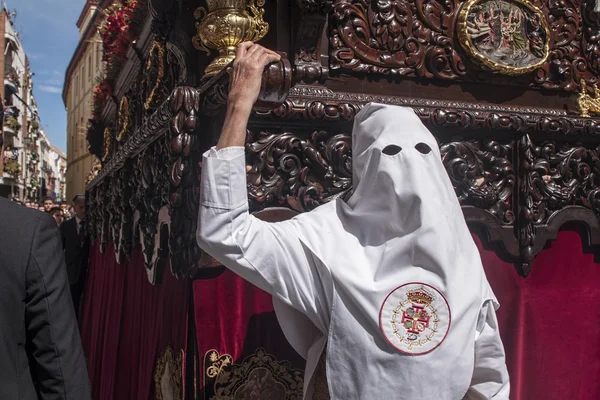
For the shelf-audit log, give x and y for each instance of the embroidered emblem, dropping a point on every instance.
(415, 318)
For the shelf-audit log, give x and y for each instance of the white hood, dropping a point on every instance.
(405, 271)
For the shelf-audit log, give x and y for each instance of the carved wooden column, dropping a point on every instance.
(184, 183)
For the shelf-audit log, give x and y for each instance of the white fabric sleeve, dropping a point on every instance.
(268, 255)
(490, 377)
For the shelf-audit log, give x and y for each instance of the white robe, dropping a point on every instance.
(391, 281)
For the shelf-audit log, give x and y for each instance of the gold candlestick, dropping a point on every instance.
(226, 24)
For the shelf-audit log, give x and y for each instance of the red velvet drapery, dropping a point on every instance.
(127, 323)
(550, 321)
(236, 318)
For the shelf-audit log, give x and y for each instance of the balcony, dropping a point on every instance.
(11, 125)
(11, 77)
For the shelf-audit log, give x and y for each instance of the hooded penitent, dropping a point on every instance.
(406, 278)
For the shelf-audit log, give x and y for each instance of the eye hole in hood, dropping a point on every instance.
(423, 148)
(391, 150)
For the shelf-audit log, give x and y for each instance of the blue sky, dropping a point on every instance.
(49, 35)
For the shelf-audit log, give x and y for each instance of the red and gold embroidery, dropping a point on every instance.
(415, 318)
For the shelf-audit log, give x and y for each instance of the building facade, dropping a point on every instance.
(84, 69)
(19, 169)
(57, 183)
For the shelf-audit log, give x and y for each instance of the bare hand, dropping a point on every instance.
(246, 74)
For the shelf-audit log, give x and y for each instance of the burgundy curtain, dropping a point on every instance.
(236, 318)
(550, 321)
(127, 323)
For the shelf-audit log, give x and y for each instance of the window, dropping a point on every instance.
(89, 66)
(81, 135)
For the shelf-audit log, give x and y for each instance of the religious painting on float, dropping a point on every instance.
(259, 376)
(506, 36)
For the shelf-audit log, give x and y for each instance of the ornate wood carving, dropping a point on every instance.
(319, 103)
(184, 183)
(156, 84)
(149, 131)
(499, 181)
(554, 178)
(124, 224)
(300, 172)
(558, 182)
(483, 175)
(417, 38)
(155, 183)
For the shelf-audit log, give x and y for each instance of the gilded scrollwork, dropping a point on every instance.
(108, 144)
(156, 61)
(587, 103)
(123, 119)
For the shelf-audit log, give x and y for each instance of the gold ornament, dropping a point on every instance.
(123, 118)
(160, 50)
(509, 37)
(96, 167)
(107, 143)
(587, 103)
(226, 24)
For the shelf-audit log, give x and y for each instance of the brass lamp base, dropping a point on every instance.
(225, 57)
(226, 24)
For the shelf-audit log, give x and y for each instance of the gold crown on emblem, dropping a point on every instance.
(420, 296)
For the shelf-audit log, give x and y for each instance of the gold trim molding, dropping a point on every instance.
(107, 144)
(160, 50)
(123, 118)
(464, 35)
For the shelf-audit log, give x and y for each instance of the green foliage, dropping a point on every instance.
(12, 167)
(13, 124)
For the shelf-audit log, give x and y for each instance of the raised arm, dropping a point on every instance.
(269, 255)
(57, 362)
(490, 376)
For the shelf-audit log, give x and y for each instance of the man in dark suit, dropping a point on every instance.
(76, 245)
(40, 349)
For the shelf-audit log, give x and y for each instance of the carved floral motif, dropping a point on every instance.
(300, 172)
(395, 37)
(554, 176)
(417, 38)
(184, 185)
(482, 175)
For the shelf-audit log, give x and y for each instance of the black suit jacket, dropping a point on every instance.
(40, 349)
(76, 256)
